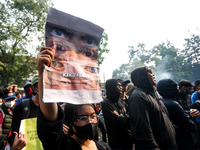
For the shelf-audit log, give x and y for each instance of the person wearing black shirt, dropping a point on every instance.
(82, 120)
(25, 109)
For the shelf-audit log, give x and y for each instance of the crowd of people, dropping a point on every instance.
(142, 115)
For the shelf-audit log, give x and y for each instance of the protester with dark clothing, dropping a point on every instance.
(184, 126)
(150, 124)
(28, 92)
(25, 109)
(82, 120)
(185, 89)
(116, 117)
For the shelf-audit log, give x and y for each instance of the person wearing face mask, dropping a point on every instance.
(28, 92)
(25, 109)
(184, 126)
(82, 120)
(6, 116)
(185, 90)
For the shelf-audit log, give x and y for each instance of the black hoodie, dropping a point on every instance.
(150, 125)
(117, 126)
(185, 127)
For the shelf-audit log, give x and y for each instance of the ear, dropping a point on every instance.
(34, 89)
(183, 87)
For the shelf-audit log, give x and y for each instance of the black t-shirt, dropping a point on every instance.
(17, 117)
(52, 136)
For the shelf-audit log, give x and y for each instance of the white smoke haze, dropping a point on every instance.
(162, 71)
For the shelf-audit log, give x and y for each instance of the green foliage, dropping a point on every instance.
(102, 48)
(192, 57)
(124, 70)
(168, 62)
(140, 53)
(165, 60)
(21, 21)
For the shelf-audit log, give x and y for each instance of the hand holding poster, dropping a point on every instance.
(29, 127)
(73, 76)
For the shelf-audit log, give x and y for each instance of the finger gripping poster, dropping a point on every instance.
(74, 74)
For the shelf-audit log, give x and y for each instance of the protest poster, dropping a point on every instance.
(29, 127)
(74, 74)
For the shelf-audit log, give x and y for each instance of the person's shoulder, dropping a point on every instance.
(18, 108)
(195, 93)
(102, 145)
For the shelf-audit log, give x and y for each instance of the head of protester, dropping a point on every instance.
(186, 90)
(18, 95)
(143, 77)
(82, 120)
(197, 85)
(28, 92)
(28, 89)
(167, 88)
(9, 101)
(125, 85)
(185, 86)
(113, 89)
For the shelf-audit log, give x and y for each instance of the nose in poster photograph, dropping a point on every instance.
(74, 74)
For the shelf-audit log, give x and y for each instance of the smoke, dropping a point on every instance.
(162, 71)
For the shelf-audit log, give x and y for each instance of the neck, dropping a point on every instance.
(123, 95)
(81, 141)
(36, 100)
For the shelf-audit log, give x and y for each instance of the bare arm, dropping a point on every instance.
(49, 110)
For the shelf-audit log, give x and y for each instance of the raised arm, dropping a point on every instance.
(49, 110)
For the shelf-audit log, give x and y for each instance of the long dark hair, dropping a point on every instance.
(71, 113)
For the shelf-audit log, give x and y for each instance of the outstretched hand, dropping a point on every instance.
(12, 88)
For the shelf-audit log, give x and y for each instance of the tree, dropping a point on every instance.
(169, 63)
(192, 57)
(139, 54)
(102, 48)
(124, 71)
(21, 21)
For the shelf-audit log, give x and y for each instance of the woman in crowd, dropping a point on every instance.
(82, 120)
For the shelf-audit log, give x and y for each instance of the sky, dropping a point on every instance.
(130, 22)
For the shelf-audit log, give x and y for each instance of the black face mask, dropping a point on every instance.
(87, 132)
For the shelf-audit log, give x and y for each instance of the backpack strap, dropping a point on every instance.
(25, 108)
(1, 111)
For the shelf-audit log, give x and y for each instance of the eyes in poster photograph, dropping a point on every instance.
(73, 76)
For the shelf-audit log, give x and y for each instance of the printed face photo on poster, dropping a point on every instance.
(75, 45)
